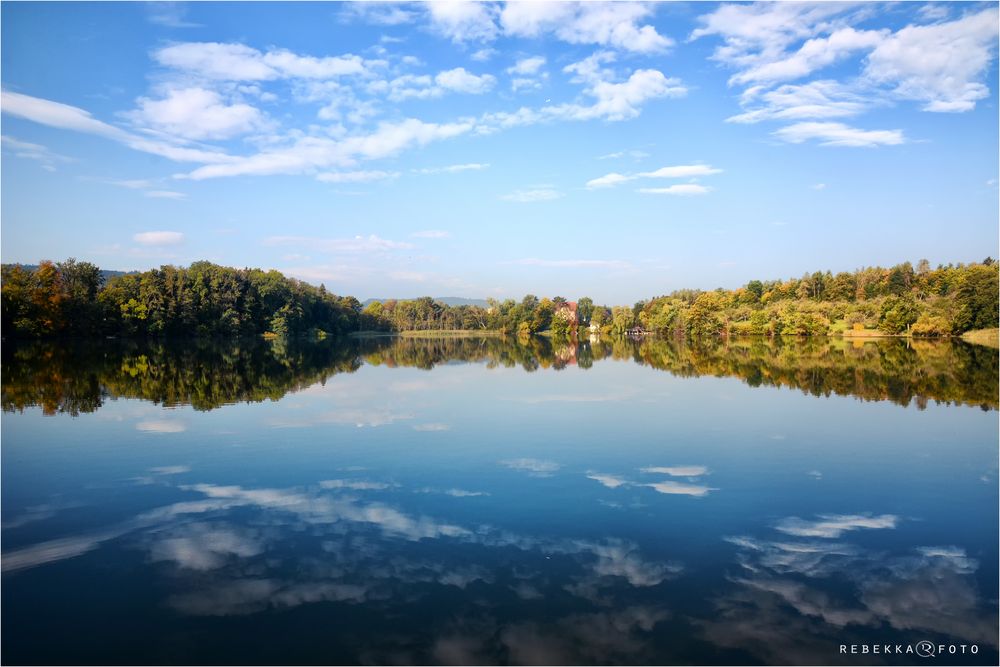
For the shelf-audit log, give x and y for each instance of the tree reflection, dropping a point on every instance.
(75, 377)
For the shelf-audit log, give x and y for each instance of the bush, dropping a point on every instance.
(929, 326)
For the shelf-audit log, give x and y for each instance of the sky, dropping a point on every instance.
(612, 150)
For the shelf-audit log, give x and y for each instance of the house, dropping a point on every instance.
(567, 311)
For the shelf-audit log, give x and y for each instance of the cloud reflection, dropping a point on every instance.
(795, 599)
(834, 525)
(681, 489)
(535, 467)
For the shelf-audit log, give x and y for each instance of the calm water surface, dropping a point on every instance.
(480, 501)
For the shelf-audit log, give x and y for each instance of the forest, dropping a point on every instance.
(74, 298)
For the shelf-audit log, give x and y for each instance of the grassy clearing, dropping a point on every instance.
(865, 333)
(987, 337)
(449, 333)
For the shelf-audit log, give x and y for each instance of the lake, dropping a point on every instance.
(478, 500)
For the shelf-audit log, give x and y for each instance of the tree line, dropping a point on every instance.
(204, 299)
(74, 298)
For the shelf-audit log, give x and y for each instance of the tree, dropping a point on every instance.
(898, 313)
(622, 319)
(976, 298)
(585, 309)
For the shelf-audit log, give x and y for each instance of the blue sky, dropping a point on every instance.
(617, 150)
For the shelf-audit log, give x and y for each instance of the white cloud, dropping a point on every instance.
(526, 73)
(682, 171)
(838, 134)
(684, 189)
(431, 234)
(197, 113)
(527, 66)
(608, 180)
(457, 80)
(814, 54)
(532, 195)
(379, 13)
(355, 176)
(818, 186)
(310, 153)
(933, 12)
(463, 21)
(834, 525)
(453, 168)
(816, 99)
(636, 155)
(66, 117)
(942, 65)
(158, 239)
(133, 184)
(613, 101)
(164, 194)
(462, 81)
(758, 33)
(482, 55)
(612, 24)
(238, 62)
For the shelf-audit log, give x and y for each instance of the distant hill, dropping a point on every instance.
(106, 274)
(446, 300)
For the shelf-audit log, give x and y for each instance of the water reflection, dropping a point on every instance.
(237, 551)
(78, 377)
(477, 513)
(794, 599)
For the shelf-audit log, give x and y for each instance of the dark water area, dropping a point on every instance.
(485, 501)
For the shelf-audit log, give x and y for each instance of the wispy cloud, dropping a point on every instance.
(532, 195)
(839, 134)
(160, 238)
(575, 263)
(356, 245)
(24, 149)
(66, 117)
(683, 189)
(431, 234)
(679, 171)
(169, 15)
(453, 168)
(356, 176)
(164, 194)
